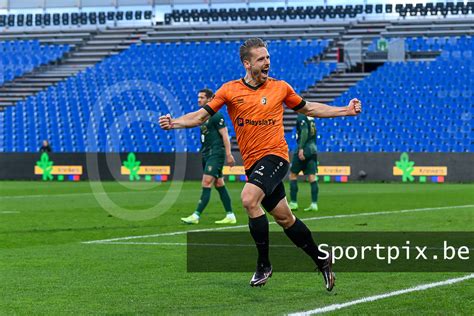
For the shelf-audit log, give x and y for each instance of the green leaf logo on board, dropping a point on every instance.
(133, 165)
(406, 166)
(46, 165)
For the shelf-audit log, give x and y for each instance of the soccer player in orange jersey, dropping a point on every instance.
(255, 106)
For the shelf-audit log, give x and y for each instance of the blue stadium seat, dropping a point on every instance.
(19, 57)
(421, 106)
(145, 81)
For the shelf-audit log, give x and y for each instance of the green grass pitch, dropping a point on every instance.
(46, 269)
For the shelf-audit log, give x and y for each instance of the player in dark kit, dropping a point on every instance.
(255, 106)
(215, 150)
(306, 160)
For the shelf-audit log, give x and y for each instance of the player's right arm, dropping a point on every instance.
(198, 117)
(228, 153)
(302, 139)
(192, 119)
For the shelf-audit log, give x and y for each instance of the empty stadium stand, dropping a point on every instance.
(156, 78)
(18, 57)
(412, 106)
(85, 49)
(103, 74)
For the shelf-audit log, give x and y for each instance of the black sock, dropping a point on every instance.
(301, 236)
(259, 231)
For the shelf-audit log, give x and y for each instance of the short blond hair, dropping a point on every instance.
(254, 42)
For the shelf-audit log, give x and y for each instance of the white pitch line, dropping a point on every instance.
(88, 193)
(152, 243)
(181, 232)
(149, 243)
(390, 212)
(9, 212)
(304, 219)
(367, 299)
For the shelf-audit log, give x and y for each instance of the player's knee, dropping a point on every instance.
(311, 178)
(285, 221)
(293, 176)
(219, 183)
(207, 182)
(249, 202)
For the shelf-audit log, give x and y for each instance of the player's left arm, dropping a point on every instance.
(315, 109)
(228, 153)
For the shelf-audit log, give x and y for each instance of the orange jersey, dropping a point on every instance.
(257, 116)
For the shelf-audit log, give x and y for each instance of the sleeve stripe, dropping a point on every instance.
(300, 106)
(209, 110)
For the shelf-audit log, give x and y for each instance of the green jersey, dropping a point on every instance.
(306, 134)
(211, 139)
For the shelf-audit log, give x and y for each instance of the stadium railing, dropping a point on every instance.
(320, 12)
(72, 18)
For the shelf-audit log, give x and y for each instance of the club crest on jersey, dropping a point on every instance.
(264, 100)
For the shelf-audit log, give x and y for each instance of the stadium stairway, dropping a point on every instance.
(370, 30)
(325, 91)
(90, 47)
(364, 30)
(336, 83)
(328, 89)
(339, 81)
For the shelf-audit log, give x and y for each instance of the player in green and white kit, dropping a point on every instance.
(215, 151)
(304, 159)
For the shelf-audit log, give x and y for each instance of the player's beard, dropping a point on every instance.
(259, 76)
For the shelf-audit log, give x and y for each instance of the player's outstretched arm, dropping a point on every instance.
(192, 119)
(316, 109)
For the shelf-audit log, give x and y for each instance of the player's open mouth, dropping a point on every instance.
(265, 71)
